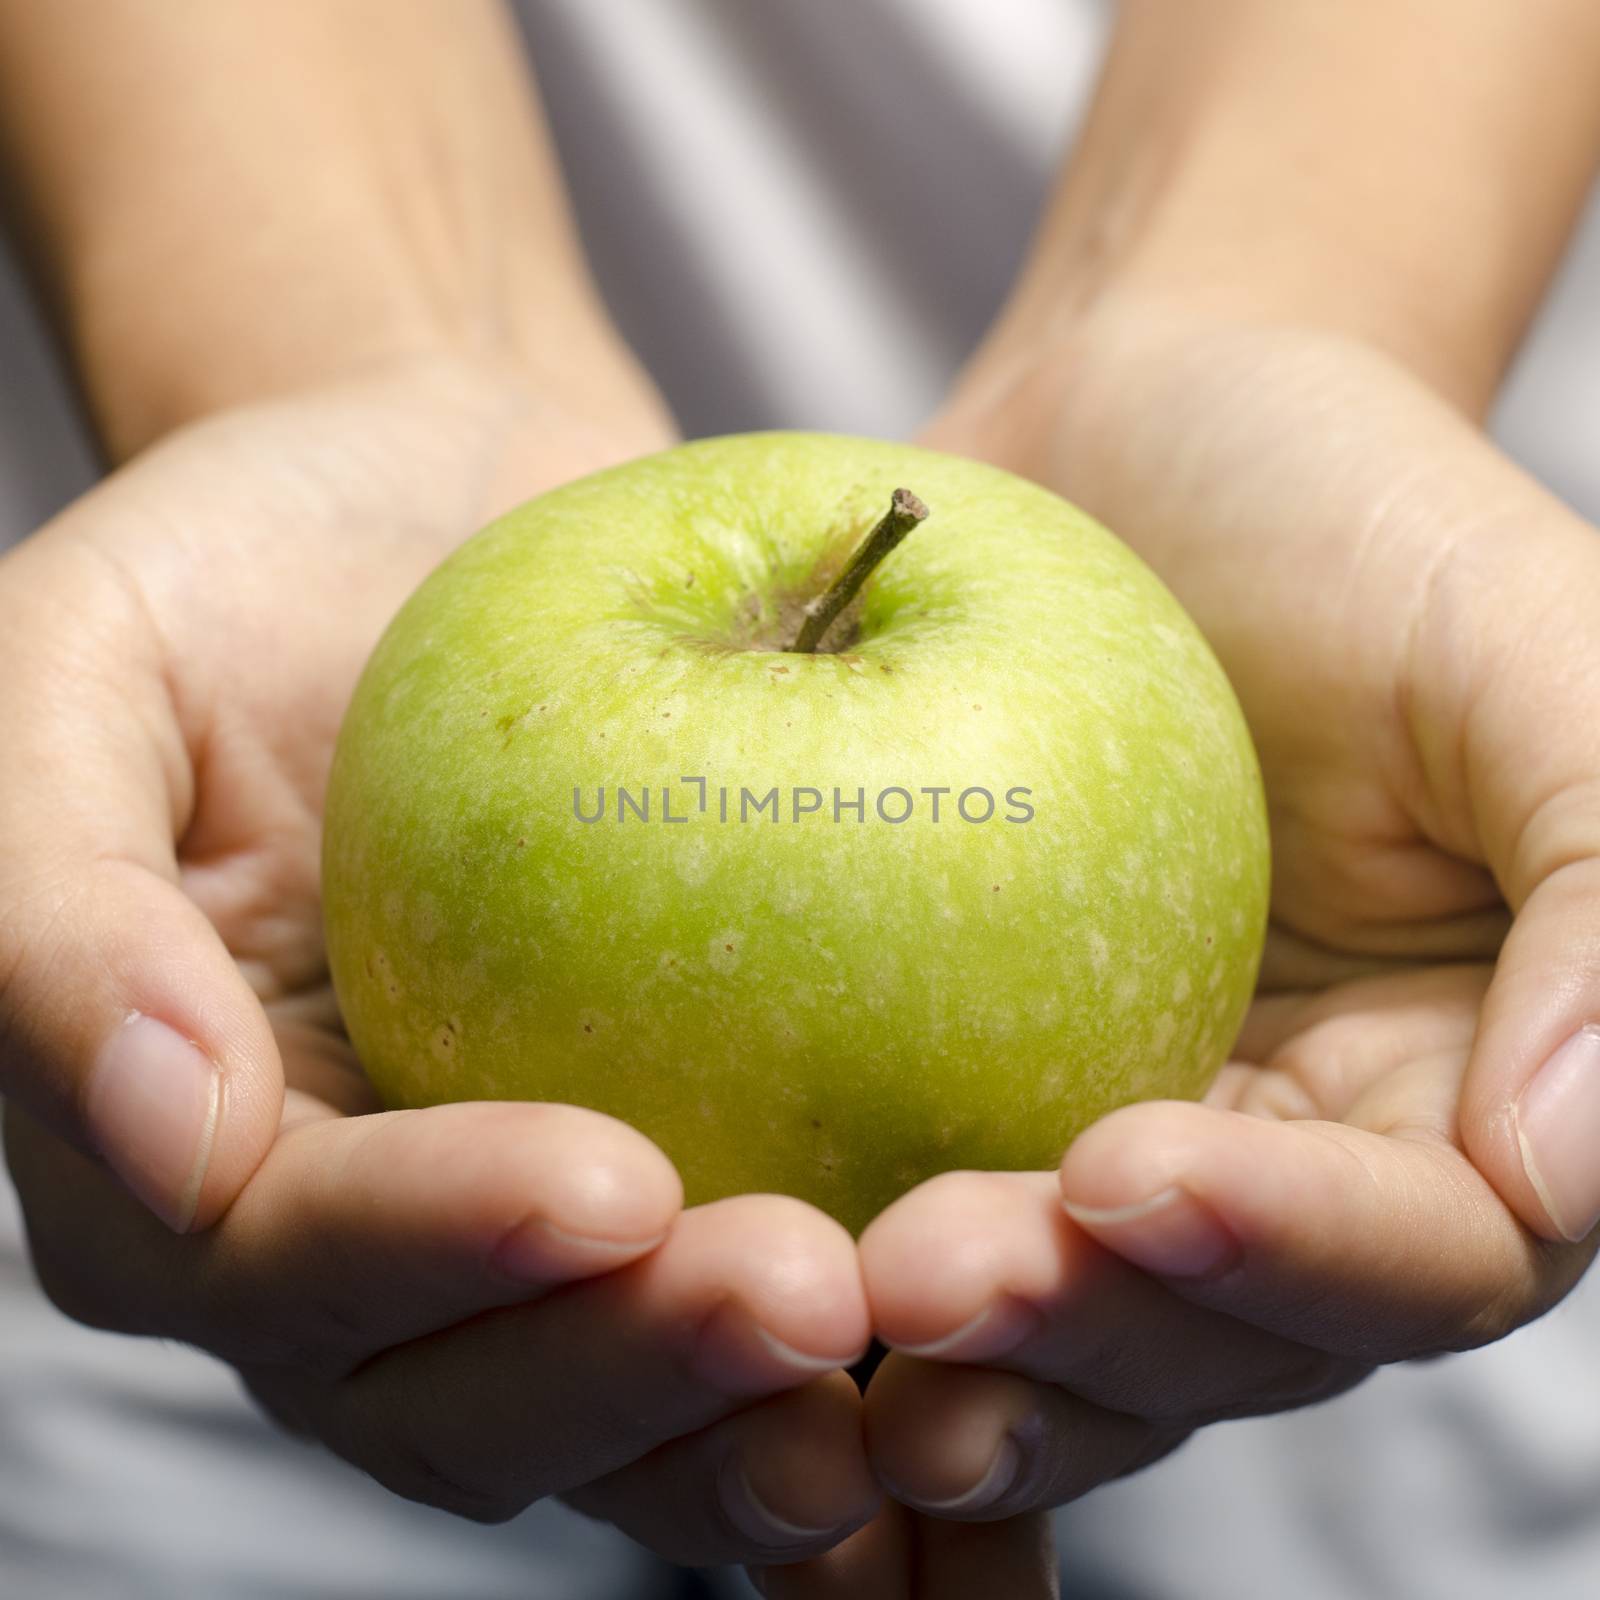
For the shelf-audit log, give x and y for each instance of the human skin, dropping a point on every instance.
(1280, 407)
(318, 379)
(1388, 311)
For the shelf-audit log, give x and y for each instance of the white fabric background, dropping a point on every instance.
(804, 215)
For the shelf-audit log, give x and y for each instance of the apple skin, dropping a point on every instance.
(829, 1009)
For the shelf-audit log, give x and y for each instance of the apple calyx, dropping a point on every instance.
(904, 513)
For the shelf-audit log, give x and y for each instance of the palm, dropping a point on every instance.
(1277, 499)
(303, 525)
(1379, 951)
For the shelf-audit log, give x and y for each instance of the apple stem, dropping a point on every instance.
(904, 513)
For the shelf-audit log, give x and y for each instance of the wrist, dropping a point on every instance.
(231, 202)
(160, 340)
(1360, 170)
(1118, 405)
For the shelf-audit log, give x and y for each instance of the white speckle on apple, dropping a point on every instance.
(1116, 757)
(1099, 951)
(793, 896)
(1161, 1034)
(1180, 987)
(724, 951)
(692, 862)
(1126, 991)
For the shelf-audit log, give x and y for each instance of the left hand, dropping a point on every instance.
(1382, 1172)
(478, 1305)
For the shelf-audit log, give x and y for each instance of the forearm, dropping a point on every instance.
(227, 199)
(1406, 171)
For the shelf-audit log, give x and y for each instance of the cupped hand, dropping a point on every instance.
(478, 1304)
(1403, 1156)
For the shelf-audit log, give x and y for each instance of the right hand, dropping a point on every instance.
(478, 1304)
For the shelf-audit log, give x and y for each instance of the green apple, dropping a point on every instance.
(989, 863)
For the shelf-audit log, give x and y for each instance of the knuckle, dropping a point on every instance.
(228, 1319)
(416, 1474)
(32, 938)
(1318, 1376)
(1161, 1443)
(32, 1155)
(1487, 1321)
(306, 1407)
(385, 1430)
(333, 1336)
(70, 1292)
(281, 1397)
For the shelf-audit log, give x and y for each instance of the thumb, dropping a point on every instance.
(124, 1023)
(1531, 1100)
(1530, 759)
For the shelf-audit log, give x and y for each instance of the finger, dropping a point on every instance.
(357, 1233)
(782, 1481)
(973, 1444)
(1512, 751)
(877, 1561)
(746, 1298)
(902, 1556)
(1373, 1243)
(124, 1023)
(1317, 1053)
(1530, 1104)
(1016, 1558)
(986, 1267)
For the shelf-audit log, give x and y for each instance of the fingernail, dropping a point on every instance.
(756, 1520)
(996, 1331)
(536, 1251)
(1557, 1118)
(152, 1109)
(996, 1481)
(736, 1355)
(1171, 1234)
(798, 1361)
